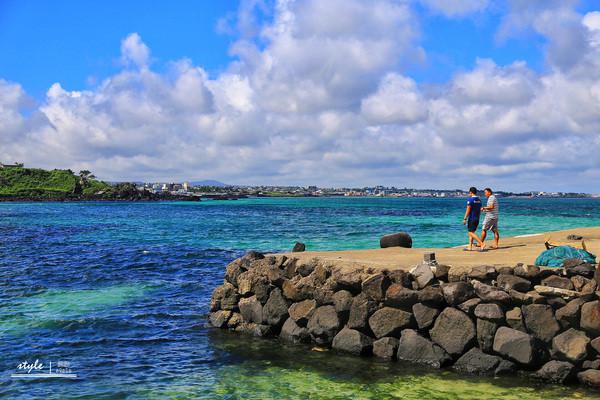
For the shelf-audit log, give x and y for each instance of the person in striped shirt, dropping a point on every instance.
(491, 217)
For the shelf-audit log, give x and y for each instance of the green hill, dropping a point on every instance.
(19, 182)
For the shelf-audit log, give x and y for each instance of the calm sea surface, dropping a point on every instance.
(121, 291)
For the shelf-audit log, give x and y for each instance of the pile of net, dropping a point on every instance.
(555, 256)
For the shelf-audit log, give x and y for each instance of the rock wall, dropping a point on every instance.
(491, 321)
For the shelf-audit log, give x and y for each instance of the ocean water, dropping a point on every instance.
(121, 292)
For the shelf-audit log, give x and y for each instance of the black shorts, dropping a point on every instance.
(472, 225)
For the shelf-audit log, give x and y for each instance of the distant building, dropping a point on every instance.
(186, 186)
(15, 165)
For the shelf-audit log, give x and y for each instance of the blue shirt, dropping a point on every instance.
(475, 203)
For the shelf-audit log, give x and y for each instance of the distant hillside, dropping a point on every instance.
(33, 184)
(208, 182)
(40, 183)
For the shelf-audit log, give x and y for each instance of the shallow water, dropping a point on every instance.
(120, 290)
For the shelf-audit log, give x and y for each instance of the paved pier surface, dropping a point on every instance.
(513, 250)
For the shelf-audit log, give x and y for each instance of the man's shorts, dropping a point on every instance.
(472, 225)
(490, 224)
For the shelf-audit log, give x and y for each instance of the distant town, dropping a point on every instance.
(218, 190)
(19, 182)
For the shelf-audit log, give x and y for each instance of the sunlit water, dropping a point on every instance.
(120, 290)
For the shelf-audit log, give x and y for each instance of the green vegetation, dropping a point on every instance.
(43, 184)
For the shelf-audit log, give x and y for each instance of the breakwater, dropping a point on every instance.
(485, 321)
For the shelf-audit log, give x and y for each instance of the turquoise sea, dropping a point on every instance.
(120, 291)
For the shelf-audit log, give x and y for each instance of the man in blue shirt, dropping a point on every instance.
(472, 218)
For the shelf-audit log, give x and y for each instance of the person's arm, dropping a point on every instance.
(490, 207)
(467, 214)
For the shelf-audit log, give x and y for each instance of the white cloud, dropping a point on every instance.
(12, 100)
(557, 20)
(397, 100)
(491, 84)
(318, 96)
(134, 51)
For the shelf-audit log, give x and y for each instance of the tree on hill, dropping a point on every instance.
(84, 177)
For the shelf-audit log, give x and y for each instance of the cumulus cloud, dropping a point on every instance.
(557, 20)
(318, 95)
(397, 100)
(134, 51)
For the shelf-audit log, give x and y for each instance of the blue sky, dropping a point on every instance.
(137, 89)
(73, 42)
(43, 42)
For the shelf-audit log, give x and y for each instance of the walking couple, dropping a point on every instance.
(490, 222)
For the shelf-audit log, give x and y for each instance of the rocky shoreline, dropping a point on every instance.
(95, 198)
(490, 321)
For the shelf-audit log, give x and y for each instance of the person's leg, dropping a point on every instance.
(472, 228)
(483, 234)
(474, 237)
(496, 238)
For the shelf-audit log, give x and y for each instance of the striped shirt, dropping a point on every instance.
(493, 213)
